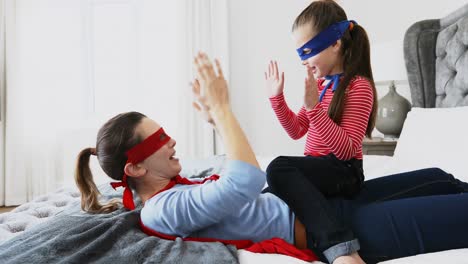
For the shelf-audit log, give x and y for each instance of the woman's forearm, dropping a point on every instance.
(234, 139)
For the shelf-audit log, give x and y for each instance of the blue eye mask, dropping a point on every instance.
(325, 38)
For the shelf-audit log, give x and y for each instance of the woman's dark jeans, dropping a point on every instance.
(407, 214)
(329, 223)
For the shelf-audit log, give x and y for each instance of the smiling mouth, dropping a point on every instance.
(173, 157)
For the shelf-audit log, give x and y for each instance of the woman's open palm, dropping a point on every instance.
(310, 92)
(199, 105)
(211, 90)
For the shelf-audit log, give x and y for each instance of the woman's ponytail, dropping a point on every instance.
(89, 192)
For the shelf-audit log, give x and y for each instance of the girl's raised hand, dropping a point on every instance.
(311, 92)
(274, 81)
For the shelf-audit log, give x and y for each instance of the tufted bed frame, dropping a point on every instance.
(436, 57)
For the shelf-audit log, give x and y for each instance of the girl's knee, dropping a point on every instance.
(275, 173)
(278, 162)
(274, 178)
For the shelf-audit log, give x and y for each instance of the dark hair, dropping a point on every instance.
(114, 138)
(355, 51)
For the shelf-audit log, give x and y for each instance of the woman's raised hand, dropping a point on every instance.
(198, 105)
(211, 91)
(274, 81)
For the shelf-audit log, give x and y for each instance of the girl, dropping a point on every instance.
(340, 104)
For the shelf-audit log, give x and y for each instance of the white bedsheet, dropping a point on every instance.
(374, 166)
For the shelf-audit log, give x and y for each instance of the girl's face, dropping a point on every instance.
(162, 163)
(327, 62)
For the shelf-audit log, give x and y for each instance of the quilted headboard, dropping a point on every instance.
(436, 57)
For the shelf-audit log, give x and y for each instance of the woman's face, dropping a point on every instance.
(326, 62)
(163, 162)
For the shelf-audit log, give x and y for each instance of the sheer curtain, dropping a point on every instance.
(73, 64)
(207, 30)
(2, 100)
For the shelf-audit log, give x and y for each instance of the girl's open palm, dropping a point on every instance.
(310, 92)
(274, 81)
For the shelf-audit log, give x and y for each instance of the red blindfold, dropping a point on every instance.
(137, 154)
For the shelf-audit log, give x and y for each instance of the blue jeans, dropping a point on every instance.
(407, 214)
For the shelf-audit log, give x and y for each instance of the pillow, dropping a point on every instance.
(434, 137)
(202, 167)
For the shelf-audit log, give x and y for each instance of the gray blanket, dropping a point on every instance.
(77, 237)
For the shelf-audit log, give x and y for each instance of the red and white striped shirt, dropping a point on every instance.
(324, 136)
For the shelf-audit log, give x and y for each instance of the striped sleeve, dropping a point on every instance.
(345, 140)
(296, 125)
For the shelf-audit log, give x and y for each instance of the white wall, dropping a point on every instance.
(260, 31)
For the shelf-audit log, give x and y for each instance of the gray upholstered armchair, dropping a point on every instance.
(436, 56)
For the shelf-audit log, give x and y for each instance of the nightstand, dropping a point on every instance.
(378, 146)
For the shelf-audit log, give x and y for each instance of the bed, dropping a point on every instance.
(53, 229)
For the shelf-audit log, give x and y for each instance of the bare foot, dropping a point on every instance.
(350, 259)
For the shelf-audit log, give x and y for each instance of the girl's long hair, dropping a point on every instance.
(355, 51)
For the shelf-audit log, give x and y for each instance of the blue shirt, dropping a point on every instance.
(230, 208)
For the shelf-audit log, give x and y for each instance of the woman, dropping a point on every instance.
(136, 151)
